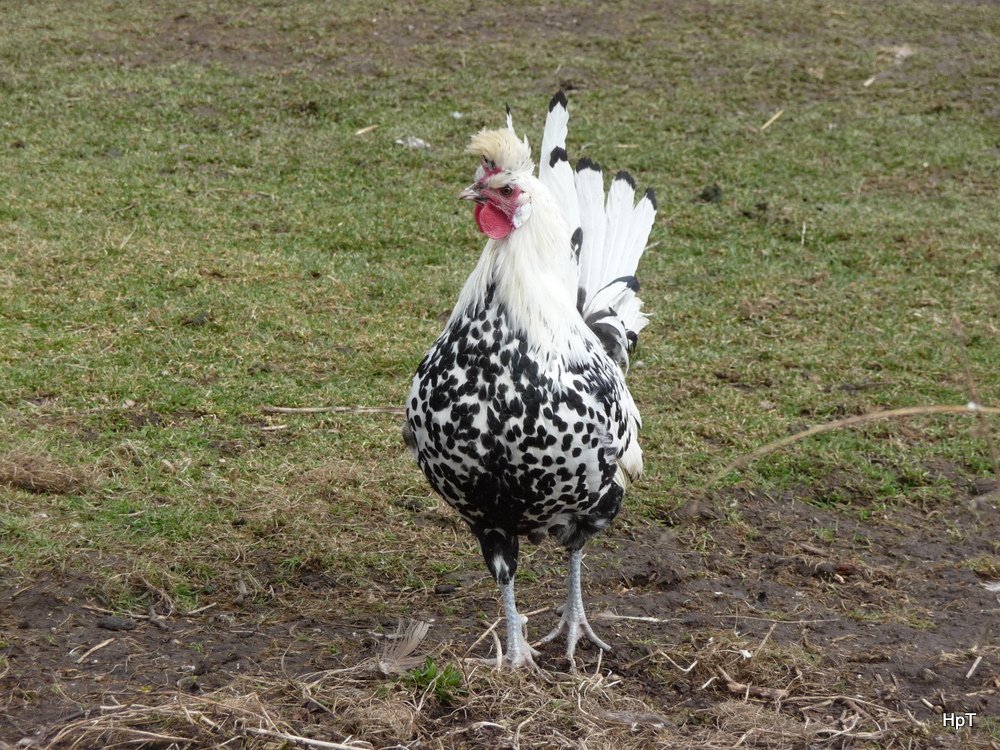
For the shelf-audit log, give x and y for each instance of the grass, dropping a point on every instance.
(192, 227)
(445, 683)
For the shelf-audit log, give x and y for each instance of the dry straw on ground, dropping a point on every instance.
(39, 473)
(376, 705)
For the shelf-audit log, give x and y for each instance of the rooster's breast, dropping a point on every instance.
(511, 437)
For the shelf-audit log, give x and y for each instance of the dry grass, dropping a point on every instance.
(42, 474)
(364, 709)
(378, 704)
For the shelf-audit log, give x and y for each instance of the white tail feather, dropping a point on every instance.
(560, 183)
(640, 225)
(554, 134)
(617, 212)
(590, 198)
(615, 231)
(553, 165)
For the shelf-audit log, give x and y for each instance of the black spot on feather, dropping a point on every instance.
(558, 154)
(576, 242)
(630, 281)
(558, 99)
(586, 163)
(623, 175)
(608, 334)
(651, 197)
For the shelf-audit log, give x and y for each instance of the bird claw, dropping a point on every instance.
(574, 623)
(532, 651)
(520, 658)
(519, 651)
(521, 661)
(517, 657)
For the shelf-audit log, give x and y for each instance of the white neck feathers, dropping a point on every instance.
(534, 277)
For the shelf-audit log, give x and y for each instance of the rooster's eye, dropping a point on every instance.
(506, 190)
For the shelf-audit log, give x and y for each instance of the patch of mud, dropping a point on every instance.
(387, 38)
(806, 612)
(889, 609)
(66, 655)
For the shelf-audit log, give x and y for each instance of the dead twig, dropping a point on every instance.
(609, 615)
(304, 740)
(770, 619)
(665, 655)
(89, 651)
(159, 621)
(333, 409)
(773, 119)
(766, 637)
(740, 688)
(973, 668)
(483, 637)
(909, 411)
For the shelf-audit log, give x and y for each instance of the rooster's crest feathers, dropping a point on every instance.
(501, 150)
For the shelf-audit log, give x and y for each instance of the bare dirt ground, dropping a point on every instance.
(888, 614)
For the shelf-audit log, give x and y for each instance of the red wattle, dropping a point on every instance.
(493, 222)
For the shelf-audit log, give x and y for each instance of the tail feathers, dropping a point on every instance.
(640, 224)
(559, 180)
(615, 314)
(556, 128)
(553, 168)
(614, 234)
(613, 335)
(590, 198)
(613, 295)
(617, 212)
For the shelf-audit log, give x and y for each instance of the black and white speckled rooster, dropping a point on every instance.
(519, 414)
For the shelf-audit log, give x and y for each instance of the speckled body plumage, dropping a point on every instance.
(519, 442)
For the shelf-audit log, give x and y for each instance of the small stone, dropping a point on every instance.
(984, 485)
(411, 141)
(113, 622)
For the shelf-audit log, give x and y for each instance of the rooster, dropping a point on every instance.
(519, 415)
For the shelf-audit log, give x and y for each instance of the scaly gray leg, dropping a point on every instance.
(574, 619)
(519, 652)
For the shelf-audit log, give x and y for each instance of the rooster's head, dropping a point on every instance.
(500, 191)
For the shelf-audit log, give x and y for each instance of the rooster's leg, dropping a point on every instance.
(519, 652)
(574, 620)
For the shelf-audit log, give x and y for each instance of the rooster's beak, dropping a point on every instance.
(473, 193)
